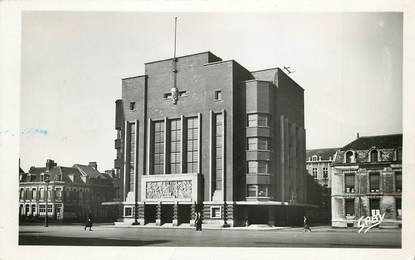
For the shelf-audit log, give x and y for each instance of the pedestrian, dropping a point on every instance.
(198, 221)
(88, 223)
(306, 225)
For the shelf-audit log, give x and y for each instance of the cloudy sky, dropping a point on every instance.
(350, 65)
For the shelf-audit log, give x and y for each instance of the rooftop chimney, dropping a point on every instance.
(93, 165)
(357, 135)
(50, 164)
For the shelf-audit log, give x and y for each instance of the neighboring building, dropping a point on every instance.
(196, 132)
(367, 180)
(318, 165)
(73, 192)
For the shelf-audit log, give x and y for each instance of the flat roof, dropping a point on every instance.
(188, 55)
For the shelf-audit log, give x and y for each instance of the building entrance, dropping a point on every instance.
(166, 213)
(183, 213)
(150, 213)
(258, 215)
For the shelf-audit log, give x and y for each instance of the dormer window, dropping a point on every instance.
(59, 177)
(349, 157)
(374, 156)
(42, 177)
(314, 158)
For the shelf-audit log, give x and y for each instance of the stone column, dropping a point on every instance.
(158, 214)
(176, 214)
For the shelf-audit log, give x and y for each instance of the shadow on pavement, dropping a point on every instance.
(80, 241)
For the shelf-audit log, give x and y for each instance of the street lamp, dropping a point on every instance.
(46, 199)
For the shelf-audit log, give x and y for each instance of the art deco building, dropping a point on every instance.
(367, 180)
(199, 133)
(72, 193)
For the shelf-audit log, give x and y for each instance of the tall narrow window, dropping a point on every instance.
(349, 207)
(374, 156)
(315, 173)
(349, 182)
(398, 207)
(132, 105)
(349, 157)
(175, 145)
(192, 144)
(398, 181)
(218, 123)
(374, 206)
(325, 172)
(218, 95)
(158, 148)
(132, 154)
(374, 182)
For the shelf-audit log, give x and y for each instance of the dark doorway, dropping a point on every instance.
(257, 215)
(150, 213)
(183, 213)
(167, 213)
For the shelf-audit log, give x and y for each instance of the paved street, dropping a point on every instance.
(109, 235)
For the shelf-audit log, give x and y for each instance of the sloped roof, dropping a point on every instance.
(325, 153)
(379, 141)
(87, 170)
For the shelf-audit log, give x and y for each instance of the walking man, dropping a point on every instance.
(198, 221)
(306, 225)
(89, 223)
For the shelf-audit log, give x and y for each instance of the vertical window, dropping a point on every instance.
(349, 157)
(128, 211)
(398, 181)
(374, 156)
(34, 194)
(132, 154)
(42, 193)
(349, 182)
(315, 173)
(218, 123)
(374, 206)
(399, 207)
(374, 182)
(258, 143)
(218, 95)
(215, 212)
(349, 207)
(325, 172)
(132, 105)
(58, 193)
(42, 177)
(175, 145)
(399, 155)
(158, 148)
(21, 194)
(255, 120)
(59, 177)
(33, 209)
(192, 144)
(314, 158)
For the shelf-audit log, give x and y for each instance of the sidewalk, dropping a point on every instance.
(251, 227)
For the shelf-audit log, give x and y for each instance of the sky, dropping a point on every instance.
(349, 64)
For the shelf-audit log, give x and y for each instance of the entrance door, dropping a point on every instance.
(183, 213)
(150, 213)
(166, 213)
(257, 215)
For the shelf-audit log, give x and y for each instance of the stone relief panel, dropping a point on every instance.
(169, 189)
